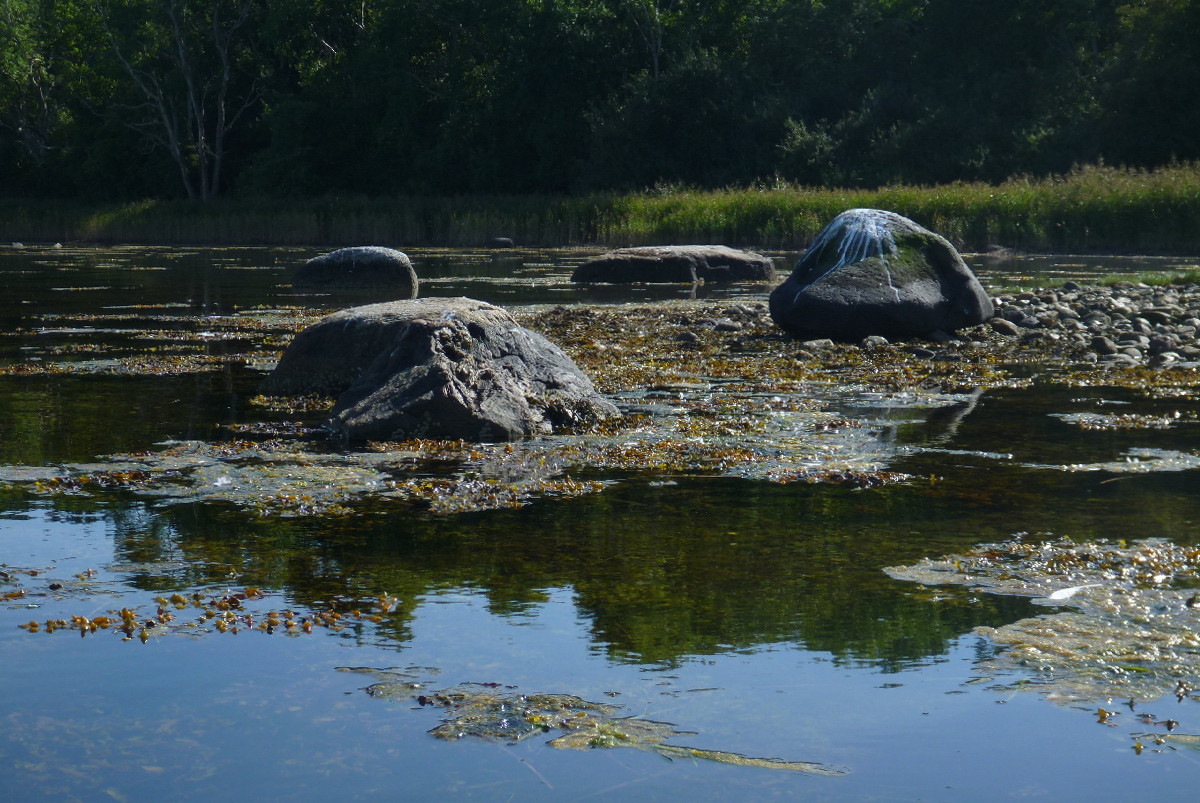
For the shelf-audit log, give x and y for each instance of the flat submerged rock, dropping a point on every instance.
(676, 264)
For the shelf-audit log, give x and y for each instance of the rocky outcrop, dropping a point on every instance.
(675, 264)
(437, 368)
(360, 267)
(871, 272)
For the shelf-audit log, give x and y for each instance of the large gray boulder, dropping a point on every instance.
(329, 356)
(871, 272)
(675, 264)
(437, 368)
(359, 267)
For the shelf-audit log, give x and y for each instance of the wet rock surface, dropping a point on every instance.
(686, 264)
(442, 368)
(360, 267)
(871, 272)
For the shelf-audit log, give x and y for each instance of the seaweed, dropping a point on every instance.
(707, 388)
(498, 712)
(1131, 630)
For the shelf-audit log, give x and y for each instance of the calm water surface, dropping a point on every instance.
(753, 615)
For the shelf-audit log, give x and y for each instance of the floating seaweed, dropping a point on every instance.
(499, 713)
(229, 611)
(1134, 631)
(1137, 461)
(707, 388)
(1103, 422)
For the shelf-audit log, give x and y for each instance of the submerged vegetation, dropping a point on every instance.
(497, 713)
(1125, 629)
(706, 388)
(1131, 633)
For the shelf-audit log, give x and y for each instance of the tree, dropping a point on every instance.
(1150, 111)
(193, 72)
(28, 106)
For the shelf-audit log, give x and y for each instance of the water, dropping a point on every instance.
(755, 615)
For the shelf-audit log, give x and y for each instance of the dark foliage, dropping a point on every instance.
(195, 98)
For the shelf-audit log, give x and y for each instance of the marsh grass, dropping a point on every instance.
(1154, 278)
(1091, 209)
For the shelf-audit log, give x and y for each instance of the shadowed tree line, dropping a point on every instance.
(120, 99)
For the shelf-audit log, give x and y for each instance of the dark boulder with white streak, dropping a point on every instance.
(871, 272)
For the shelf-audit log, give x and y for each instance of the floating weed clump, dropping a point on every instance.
(136, 344)
(1100, 422)
(499, 713)
(1174, 382)
(1136, 461)
(733, 349)
(272, 429)
(229, 611)
(1134, 632)
(294, 405)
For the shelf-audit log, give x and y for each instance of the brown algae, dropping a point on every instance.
(706, 387)
(498, 713)
(1132, 628)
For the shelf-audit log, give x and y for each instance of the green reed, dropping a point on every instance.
(1091, 209)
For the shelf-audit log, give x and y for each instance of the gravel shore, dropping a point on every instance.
(1122, 325)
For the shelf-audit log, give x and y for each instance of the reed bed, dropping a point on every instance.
(1091, 209)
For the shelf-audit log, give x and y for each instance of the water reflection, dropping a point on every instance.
(661, 573)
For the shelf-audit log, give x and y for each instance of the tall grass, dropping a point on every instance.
(1090, 209)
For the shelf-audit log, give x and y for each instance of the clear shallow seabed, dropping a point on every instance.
(755, 617)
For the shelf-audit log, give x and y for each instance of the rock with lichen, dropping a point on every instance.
(360, 267)
(454, 369)
(673, 264)
(871, 272)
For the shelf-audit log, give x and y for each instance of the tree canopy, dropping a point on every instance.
(116, 99)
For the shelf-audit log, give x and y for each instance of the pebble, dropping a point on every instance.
(1004, 327)
(1122, 325)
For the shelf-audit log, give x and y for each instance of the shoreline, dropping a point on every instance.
(1092, 210)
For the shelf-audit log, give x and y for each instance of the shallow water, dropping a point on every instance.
(754, 614)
